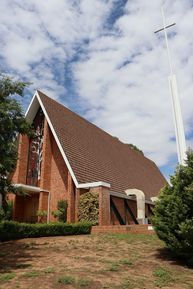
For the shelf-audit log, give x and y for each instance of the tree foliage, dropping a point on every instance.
(8, 214)
(134, 147)
(173, 213)
(12, 123)
(88, 209)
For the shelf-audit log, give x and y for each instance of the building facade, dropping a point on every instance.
(70, 156)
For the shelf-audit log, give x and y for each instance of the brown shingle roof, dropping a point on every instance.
(94, 155)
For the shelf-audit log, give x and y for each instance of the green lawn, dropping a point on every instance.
(91, 261)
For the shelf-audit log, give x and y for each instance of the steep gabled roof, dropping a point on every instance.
(94, 155)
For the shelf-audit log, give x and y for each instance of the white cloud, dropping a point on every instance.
(135, 98)
(119, 71)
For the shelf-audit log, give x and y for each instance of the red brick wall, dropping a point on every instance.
(54, 176)
(18, 208)
(71, 191)
(119, 203)
(43, 205)
(58, 178)
(133, 206)
(19, 175)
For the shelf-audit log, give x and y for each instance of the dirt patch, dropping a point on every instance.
(91, 261)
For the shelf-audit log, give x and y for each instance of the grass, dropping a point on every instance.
(83, 283)
(49, 270)
(31, 274)
(131, 284)
(22, 266)
(115, 261)
(71, 280)
(114, 267)
(163, 277)
(127, 284)
(126, 262)
(66, 280)
(5, 277)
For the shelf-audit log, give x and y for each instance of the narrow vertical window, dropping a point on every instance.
(35, 150)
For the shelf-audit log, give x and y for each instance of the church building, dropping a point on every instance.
(70, 156)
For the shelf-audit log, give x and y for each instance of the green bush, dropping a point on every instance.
(88, 208)
(173, 213)
(10, 230)
(61, 213)
(6, 214)
(42, 215)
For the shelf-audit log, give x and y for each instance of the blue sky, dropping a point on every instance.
(102, 59)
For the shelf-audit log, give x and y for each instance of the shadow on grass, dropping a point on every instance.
(164, 254)
(17, 255)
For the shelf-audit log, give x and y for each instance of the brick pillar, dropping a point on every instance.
(46, 158)
(70, 200)
(104, 205)
(20, 173)
(77, 197)
(43, 205)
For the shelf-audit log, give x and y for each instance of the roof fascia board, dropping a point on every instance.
(32, 108)
(30, 105)
(94, 184)
(57, 141)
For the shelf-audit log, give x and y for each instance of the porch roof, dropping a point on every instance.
(28, 188)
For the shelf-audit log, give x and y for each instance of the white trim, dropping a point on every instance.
(140, 200)
(32, 100)
(154, 199)
(95, 184)
(57, 141)
(27, 188)
(150, 228)
(124, 196)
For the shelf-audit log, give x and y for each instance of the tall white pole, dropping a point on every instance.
(179, 128)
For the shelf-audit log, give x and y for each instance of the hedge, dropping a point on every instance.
(10, 230)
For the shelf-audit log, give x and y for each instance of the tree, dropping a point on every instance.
(134, 147)
(12, 123)
(173, 213)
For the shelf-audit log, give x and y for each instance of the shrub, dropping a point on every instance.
(10, 230)
(8, 213)
(61, 213)
(42, 215)
(88, 208)
(173, 213)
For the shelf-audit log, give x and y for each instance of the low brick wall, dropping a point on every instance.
(128, 229)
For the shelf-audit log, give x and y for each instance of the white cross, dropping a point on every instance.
(179, 128)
